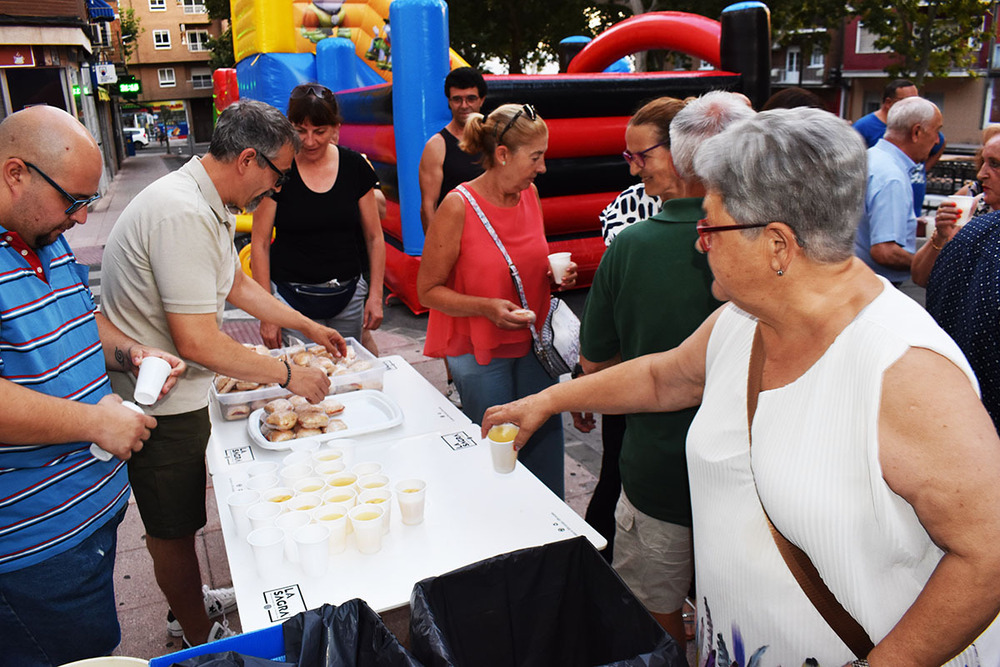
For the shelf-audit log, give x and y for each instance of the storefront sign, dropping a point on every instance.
(18, 55)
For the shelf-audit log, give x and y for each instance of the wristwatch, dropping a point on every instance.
(860, 663)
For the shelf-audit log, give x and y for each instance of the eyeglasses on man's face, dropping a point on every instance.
(74, 203)
(282, 175)
(706, 230)
(527, 110)
(639, 157)
(458, 100)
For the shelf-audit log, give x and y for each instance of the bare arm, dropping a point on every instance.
(121, 353)
(198, 338)
(371, 227)
(664, 382)
(944, 230)
(891, 256)
(441, 250)
(940, 452)
(430, 176)
(260, 261)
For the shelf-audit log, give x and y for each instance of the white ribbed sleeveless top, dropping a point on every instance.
(815, 456)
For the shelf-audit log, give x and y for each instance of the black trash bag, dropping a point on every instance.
(558, 604)
(351, 635)
(229, 659)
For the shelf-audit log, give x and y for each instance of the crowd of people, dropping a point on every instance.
(771, 403)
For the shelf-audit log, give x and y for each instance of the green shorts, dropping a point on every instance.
(168, 475)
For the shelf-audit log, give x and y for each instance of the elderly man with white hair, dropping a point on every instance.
(887, 235)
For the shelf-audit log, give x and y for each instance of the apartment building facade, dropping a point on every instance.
(171, 60)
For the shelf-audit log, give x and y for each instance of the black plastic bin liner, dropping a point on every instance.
(351, 635)
(558, 604)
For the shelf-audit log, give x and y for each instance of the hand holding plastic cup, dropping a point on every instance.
(966, 206)
(153, 373)
(411, 493)
(103, 454)
(559, 262)
(501, 438)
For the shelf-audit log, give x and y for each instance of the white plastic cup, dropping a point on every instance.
(306, 446)
(335, 518)
(313, 542)
(377, 481)
(341, 495)
(289, 522)
(295, 458)
(966, 207)
(153, 373)
(342, 479)
(279, 495)
(305, 502)
(293, 473)
(268, 546)
(503, 453)
(325, 454)
(410, 493)
(367, 523)
(327, 469)
(310, 485)
(259, 468)
(262, 515)
(262, 482)
(239, 502)
(366, 468)
(380, 498)
(559, 262)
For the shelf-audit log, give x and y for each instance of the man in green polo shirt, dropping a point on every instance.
(651, 291)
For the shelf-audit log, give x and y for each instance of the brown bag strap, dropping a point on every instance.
(797, 560)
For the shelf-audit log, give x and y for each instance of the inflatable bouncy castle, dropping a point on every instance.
(386, 60)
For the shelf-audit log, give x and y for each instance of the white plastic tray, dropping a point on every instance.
(365, 411)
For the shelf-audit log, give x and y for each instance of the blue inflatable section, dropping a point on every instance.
(269, 76)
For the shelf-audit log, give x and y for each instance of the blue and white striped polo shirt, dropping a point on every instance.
(52, 497)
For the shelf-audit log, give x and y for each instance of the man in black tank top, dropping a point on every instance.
(443, 165)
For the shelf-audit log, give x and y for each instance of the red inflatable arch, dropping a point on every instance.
(677, 31)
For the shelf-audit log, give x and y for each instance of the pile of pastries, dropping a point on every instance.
(294, 417)
(299, 355)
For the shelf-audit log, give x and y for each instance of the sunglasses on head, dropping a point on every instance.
(314, 89)
(527, 110)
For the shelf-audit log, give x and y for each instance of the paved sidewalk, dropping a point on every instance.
(141, 606)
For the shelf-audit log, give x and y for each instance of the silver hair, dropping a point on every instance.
(251, 124)
(804, 167)
(908, 112)
(702, 118)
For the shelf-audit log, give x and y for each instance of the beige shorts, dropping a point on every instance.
(653, 557)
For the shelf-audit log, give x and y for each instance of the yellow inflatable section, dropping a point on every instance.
(295, 26)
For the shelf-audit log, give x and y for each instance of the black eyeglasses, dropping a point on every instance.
(306, 89)
(639, 158)
(705, 230)
(527, 110)
(282, 175)
(74, 203)
(468, 99)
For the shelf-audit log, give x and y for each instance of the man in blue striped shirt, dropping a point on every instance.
(59, 505)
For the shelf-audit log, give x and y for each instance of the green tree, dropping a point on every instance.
(131, 28)
(928, 37)
(222, 47)
(519, 32)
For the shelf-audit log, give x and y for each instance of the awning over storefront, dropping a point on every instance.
(44, 36)
(100, 10)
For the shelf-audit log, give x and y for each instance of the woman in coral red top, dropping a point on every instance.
(476, 318)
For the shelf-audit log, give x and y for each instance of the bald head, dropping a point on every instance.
(46, 135)
(48, 163)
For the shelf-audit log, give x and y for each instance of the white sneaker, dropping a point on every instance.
(218, 602)
(218, 631)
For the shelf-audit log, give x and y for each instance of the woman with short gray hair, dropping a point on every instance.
(820, 426)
